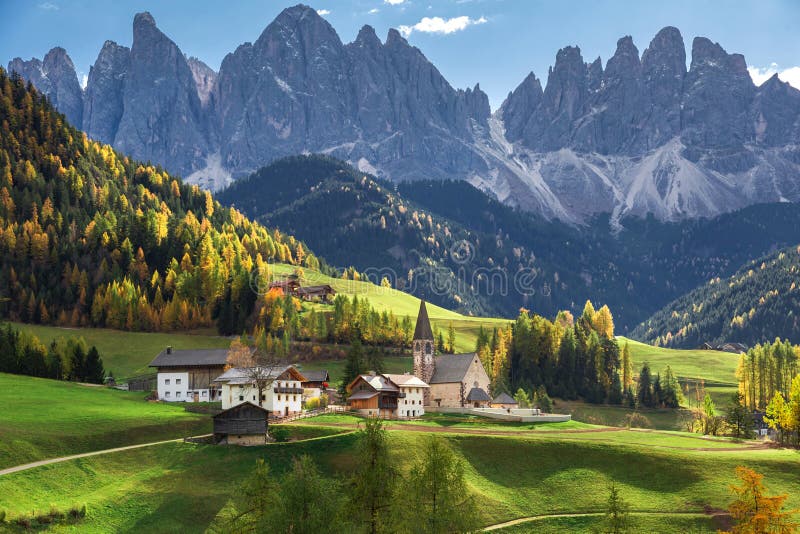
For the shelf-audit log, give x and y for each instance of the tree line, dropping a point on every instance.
(22, 353)
(376, 497)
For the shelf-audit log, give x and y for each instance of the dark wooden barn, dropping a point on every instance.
(244, 424)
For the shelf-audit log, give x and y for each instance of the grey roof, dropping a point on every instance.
(504, 398)
(423, 328)
(316, 376)
(451, 367)
(240, 376)
(363, 395)
(191, 357)
(477, 394)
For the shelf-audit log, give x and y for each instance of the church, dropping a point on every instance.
(456, 380)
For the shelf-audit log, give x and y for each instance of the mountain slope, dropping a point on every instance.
(90, 237)
(641, 135)
(755, 305)
(353, 218)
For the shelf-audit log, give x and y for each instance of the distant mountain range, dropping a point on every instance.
(642, 135)
(415, 233)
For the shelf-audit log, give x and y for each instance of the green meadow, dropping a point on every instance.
(182, 487)
(46, 418)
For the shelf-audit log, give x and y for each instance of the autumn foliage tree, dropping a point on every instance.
(754, 511)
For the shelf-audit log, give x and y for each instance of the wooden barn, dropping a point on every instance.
(244, 424)
(323, 293)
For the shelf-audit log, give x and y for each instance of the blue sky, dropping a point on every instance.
(494, 42)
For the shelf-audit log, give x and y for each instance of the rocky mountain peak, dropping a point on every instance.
(367, 37)
(625, 61)
(103, 101)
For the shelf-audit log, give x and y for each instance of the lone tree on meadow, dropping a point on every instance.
(616, 520)
(259, 366)
(756, 512)
(437, 492)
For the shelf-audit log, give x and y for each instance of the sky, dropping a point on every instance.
(492, 42)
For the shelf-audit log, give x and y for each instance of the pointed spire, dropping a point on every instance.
(423, 328)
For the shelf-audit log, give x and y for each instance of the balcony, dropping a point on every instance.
(290, 391)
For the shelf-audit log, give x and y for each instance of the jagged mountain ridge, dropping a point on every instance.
(644, 135)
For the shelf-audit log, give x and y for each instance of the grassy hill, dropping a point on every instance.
(46, 418)
(183, 486)
(755, 305)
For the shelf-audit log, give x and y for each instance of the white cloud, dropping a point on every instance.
(393, 2)
(790, 75)
(440, 25)
(373, 10)
(48, 6)
(84, 81)
(323, 12)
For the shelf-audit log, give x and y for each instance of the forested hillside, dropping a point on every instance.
(417, 228)
(91, 237)
(755, 305)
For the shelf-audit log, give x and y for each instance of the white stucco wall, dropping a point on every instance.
(279, 403)
(174, 387)
(413, 404)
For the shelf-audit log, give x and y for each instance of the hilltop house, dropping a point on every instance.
(387, 396)
(188, 375)
(243, 424)
(456, 380)
(323, 293)
(282, 396)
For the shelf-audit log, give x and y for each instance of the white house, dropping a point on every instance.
(412, 395)
(387, 396)
(188, 375)
(282, 396)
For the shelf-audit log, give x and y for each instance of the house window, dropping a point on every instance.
(279, 397)
(177, 381)
(254, 397)
(166, 395)
(241, 397)
(178, 394)
(166, 381)
(264, 397)
(294, 397)
(204, 393)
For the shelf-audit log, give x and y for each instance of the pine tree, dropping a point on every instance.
(95, 374)
(644, 393)
(354, 365)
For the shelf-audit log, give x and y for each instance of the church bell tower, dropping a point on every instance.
(422, 347)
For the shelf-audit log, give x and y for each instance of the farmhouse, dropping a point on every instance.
(387, 396)
(188, 375)
(323, 293)
(281, 395)
(315, 384)
(456, 380)
(243, 424)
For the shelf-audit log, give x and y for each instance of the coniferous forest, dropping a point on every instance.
(90, 237)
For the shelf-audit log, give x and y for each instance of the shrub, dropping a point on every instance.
(323, 400)
(2, 516)
(280, 434)
(637, 420)
(24, 522)
(312, 403)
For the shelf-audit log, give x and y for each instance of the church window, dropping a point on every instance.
(428, 348)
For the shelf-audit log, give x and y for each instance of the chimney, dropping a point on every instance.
(169, 350)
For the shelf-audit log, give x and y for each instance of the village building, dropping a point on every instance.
(456, 380)
(243, 424)
(315, 384)
(288, 286)
(504, 401)
(188, 375)
(411, 402)
(387, 396)
(323, 293)
(282, 396)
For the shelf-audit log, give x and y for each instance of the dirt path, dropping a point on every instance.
(542, 517)
(25, 467)
(555, 433)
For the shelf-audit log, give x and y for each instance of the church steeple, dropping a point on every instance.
(422, 348)
(423, 328)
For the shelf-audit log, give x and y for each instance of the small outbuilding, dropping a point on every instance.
(504, 401)
(244, 424)
(478, 398)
